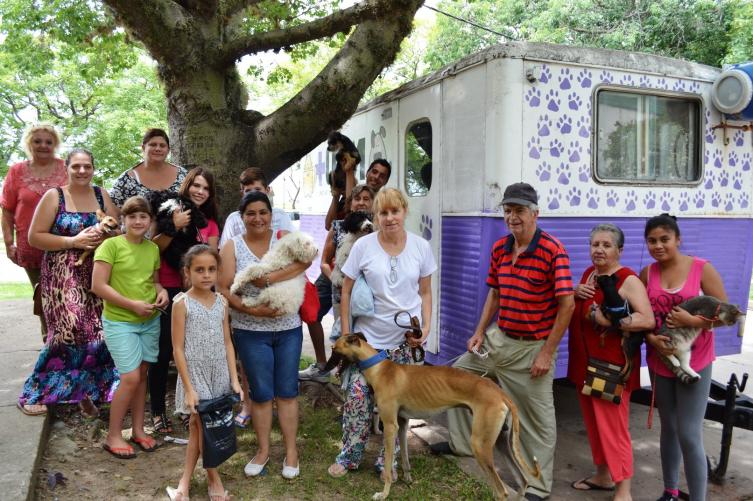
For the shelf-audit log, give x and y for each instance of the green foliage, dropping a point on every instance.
(706, 31)
(65, 61)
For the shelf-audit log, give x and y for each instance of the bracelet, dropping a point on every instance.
(266, 280)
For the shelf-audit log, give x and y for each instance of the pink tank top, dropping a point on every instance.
(662, 302)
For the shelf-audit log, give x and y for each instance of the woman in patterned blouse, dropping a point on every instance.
(153, 173)
(24, 186)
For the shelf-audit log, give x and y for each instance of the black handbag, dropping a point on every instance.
(218, 429)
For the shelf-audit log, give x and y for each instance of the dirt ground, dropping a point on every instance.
(75, 451)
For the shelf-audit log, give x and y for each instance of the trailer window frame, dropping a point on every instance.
(641, 93)
(411, 178)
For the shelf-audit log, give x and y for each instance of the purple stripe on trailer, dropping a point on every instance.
(467, 243)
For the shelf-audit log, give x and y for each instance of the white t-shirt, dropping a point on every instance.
(234, 225)
(368, 257)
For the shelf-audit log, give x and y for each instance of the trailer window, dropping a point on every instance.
(418, 159)
(647, 138)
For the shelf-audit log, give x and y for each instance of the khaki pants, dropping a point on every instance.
(509, 363)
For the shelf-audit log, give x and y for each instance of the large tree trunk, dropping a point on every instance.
(210, 127)
(196, 44)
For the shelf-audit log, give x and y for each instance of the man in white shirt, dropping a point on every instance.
(253, 179)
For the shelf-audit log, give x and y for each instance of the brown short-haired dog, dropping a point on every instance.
(403, 392)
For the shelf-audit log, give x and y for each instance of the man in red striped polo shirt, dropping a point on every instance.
(531, 295)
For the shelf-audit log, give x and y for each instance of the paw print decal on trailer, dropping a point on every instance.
(426, 227)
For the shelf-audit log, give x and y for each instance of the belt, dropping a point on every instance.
(524, 338)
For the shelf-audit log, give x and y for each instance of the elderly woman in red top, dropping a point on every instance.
(592, 335)
(23, 188)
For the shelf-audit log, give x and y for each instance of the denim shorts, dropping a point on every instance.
(270, 359)
(131, 343)
(324, 291)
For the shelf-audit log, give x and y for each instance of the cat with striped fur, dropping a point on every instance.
(682, 338)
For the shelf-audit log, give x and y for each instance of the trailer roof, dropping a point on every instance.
(545, 52)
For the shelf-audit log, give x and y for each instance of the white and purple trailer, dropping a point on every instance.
(603, 135)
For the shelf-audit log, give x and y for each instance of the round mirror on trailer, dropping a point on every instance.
(732, 92)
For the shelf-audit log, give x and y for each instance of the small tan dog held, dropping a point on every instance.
(108, 225)
(403, 392)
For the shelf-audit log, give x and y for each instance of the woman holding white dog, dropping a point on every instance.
(268, 343)
(75, 365)
(398, 266)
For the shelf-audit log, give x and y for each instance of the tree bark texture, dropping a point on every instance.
(196, 44)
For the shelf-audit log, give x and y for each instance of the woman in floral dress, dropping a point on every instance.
(74, 366)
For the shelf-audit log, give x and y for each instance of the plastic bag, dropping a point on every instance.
(218, 429)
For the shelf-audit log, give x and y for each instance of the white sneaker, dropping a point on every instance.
(290, 472)
(252, 469)
(314, 373)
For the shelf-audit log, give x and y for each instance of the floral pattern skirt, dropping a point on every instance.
(357, 412)
(74, 362)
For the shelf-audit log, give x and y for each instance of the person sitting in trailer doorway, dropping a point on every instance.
(531, 292)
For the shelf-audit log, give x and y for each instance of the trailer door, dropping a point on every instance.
(419, 158)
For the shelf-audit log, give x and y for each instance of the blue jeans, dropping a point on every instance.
(270, 359)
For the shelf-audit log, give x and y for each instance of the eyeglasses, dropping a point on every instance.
(393, 269)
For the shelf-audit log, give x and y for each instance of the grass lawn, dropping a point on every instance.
(319, 436)
(15, 290)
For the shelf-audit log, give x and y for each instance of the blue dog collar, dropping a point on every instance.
(373, 360)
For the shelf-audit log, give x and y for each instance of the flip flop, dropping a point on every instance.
(241, 420)
(591, 486)
(143, 444)
(336, 470)
(26, 409)
(223, 495)
(175, 494)
(120, 452)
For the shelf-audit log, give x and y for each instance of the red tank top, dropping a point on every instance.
(585, 340)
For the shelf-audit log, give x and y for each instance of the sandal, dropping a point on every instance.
(218, 495)
(336, 470)
(175, 494)
(185, 420)
(120, 452)
(241, 420)
(146, 444)
(588, 485)
(162, 424)
(32, 409)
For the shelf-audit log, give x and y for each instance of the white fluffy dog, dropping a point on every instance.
(287, 296)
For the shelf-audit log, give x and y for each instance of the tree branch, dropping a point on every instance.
(14, 108)
(166, 29)
(340, 85)
(233, 7)
(326, 26)
(204, 8)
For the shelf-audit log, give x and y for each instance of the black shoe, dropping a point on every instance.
(530, 496)
(440, 448)
(666, 496)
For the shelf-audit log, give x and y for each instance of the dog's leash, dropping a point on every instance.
(414, 331)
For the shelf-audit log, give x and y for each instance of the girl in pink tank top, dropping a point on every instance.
(662, 302)
(671, 280)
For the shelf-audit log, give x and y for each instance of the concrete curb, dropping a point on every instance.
(23, 438)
